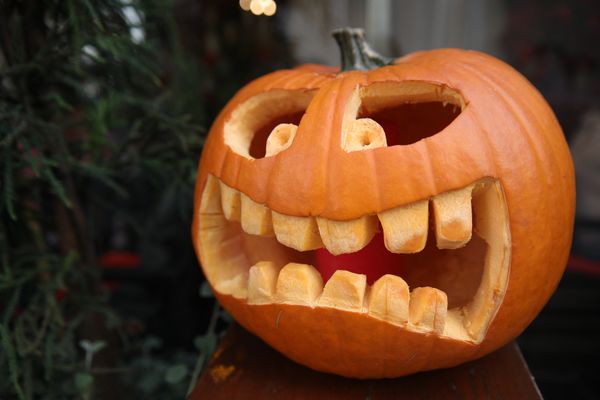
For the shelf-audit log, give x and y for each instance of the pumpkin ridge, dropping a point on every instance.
(284, 81)
(344, 91)
(258, 85)
(310, 178)
(317, 81)
(400, 75)
(552, 158)
(525, 130)
(431, 178)
(279, 162)
(331, 143)
(392, 73)
(549, 142)
(300, 81)
(507, 99)
(372, 168)
(489, 147)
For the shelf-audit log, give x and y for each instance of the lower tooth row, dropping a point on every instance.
(424, 309)
(404, 227)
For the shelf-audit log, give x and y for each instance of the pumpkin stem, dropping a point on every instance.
(357, 54)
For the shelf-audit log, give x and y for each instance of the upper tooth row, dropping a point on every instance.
(404, 227)
(389, 299)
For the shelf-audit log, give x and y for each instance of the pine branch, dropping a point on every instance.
(92, 125)
(11, 356)
(8, 185)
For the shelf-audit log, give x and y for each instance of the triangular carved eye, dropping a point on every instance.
(266, 124)
(398, 113)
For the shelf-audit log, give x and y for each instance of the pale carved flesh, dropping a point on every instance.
(259, 255)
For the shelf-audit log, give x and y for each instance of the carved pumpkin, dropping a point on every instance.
(382, 221)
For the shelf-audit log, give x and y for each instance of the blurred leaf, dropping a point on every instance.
(151, 343)
(206, 343)
(92, 346)
(60, 101)
(9, 350)
(224, 315)
(205, 290)
(8, 186)
(11, 305)
(57, 186)
(150, 381)
(83, 381)
(176, 373)
(102, 174)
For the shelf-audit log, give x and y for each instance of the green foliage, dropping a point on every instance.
(176, 373)
(159, 373)
(87, 116)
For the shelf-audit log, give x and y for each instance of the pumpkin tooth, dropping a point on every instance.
(389, 299)
(341, 237)
(230, 202)
(299, 284)
(300, 233)
(255, 217)
(405, 227)
(211, 197)
(344, 290)
(428, 309)
(280, 138)
(262, 282)
(453, 218)
(237, 286)
(363, 134)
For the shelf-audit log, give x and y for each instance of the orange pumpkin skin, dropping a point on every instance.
(506, 131)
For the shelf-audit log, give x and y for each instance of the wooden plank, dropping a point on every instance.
(243, 367)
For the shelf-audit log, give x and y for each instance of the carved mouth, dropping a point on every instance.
(458, 275)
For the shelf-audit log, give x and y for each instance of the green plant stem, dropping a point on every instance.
(203, 358)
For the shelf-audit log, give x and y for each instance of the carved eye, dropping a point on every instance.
(390, 114)
(266, 124)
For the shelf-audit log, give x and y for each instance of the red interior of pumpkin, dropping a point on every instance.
(373, 260)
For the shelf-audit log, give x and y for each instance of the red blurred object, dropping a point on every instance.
(584, 265)
(119, 259)
(111, 285)
(60, 294)
(373, 260)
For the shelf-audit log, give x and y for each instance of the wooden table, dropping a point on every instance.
(243, 367)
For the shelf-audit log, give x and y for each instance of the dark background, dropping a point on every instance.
(553, 43)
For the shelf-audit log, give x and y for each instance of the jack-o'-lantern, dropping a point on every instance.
(385, 218)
